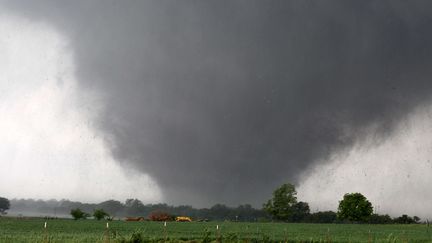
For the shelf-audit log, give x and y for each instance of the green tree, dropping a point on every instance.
(354, 207)
(79, 214)
(300, 211)
(380, 219)
(4, 205)
(405, 219)
(100, 214)
(280, 207)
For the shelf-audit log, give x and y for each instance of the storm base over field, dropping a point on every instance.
(214, 101)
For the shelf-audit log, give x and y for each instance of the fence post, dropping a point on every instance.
(107, 236)
(45, 233)
(328, 236)
(165, 231)
(218, 238)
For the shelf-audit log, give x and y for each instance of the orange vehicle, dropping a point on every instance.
(183, 219)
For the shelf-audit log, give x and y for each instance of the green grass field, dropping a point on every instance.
(63, 230)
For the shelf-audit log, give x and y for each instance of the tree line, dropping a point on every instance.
(135, 208)
(283, 206)
(353, 208)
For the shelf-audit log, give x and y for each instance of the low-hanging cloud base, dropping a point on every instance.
(222, 102)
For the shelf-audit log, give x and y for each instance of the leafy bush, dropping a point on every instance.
(100, 214)
(326, 217)
(405, 219)
(380, 219)
(354, 207)
(78, 214)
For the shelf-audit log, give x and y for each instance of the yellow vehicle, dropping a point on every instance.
(183, 219)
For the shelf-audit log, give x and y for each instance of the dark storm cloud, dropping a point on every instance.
(221, 101)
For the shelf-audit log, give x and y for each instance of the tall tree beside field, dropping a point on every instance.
(354, 207)
(4, 205)
(280, 207)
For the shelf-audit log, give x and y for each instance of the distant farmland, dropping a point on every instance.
(65, 230)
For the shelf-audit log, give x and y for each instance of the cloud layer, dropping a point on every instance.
(48, 145)
(223, 101)
(393, 174)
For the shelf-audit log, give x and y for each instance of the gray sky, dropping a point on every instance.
(222, 101)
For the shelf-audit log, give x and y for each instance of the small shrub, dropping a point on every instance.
(100, 214)
(78, 214)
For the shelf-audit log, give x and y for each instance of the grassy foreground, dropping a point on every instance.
(64, 230)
